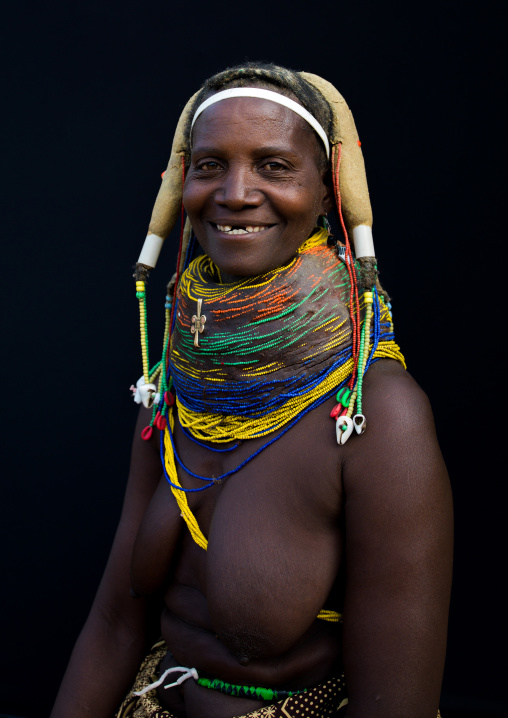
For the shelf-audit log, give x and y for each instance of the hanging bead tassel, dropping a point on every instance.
(146, 390)
(346, 424)
(359, 421)
(141, 295)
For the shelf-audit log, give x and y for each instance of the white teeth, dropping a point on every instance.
(239, 230)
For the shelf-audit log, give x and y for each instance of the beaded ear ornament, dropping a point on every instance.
(353, 208)
(160, 398)
(145, 392)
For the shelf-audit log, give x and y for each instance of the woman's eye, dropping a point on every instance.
(208, 166)
(273, 166)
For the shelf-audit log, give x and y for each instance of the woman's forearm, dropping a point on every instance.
(101, 670)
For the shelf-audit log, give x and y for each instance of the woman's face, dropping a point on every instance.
(254, 189)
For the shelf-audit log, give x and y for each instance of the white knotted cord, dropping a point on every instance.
(188, 673)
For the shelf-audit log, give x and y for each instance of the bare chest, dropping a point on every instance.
(273, 528)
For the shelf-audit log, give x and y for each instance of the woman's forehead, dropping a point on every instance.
(245, 108)
(254, 117)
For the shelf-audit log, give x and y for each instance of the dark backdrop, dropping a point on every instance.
(94, 91)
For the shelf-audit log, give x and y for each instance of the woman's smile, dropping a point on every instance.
(243, 229)
(255, 188)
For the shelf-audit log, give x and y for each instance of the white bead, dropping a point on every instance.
(343, 435)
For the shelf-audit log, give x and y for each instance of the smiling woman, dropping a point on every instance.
(295, 559)
(254, 190)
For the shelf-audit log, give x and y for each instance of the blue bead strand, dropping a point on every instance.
(289, 426)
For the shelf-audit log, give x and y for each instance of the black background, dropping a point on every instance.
(93, 93)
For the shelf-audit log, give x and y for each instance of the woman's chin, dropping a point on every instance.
(234, 270)
(236, 274)
(227, 278)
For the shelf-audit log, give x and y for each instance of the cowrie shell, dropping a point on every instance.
(147, 394)
(343, 434)
(360, 423)
(138, 395)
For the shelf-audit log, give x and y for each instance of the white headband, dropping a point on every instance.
(266, 95)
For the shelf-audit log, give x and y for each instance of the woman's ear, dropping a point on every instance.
(328, 201)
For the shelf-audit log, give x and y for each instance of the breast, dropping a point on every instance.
(275, 546)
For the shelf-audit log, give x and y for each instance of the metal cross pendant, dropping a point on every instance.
(198, 323)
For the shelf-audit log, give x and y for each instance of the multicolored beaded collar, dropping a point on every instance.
(270, 346)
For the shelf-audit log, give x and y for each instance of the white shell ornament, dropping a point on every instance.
(147, 394)
(344, 429)
(360, 423)
(139, 395)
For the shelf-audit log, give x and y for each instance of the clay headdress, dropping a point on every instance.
(348, 169)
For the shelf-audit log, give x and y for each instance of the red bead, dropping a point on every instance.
(169, 398)
(336, 411)
(162, 174)
(160, 423)
(147, 432)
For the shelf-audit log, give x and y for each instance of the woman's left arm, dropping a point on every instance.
(399, 535)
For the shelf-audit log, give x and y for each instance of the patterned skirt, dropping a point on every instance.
(323, 701)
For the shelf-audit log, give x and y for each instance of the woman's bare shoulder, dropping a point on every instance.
(399, 420)
(397, 463)
(391, 391)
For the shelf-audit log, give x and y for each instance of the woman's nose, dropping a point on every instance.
(238, 189)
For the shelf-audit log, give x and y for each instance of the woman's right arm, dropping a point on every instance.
(113, 641)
